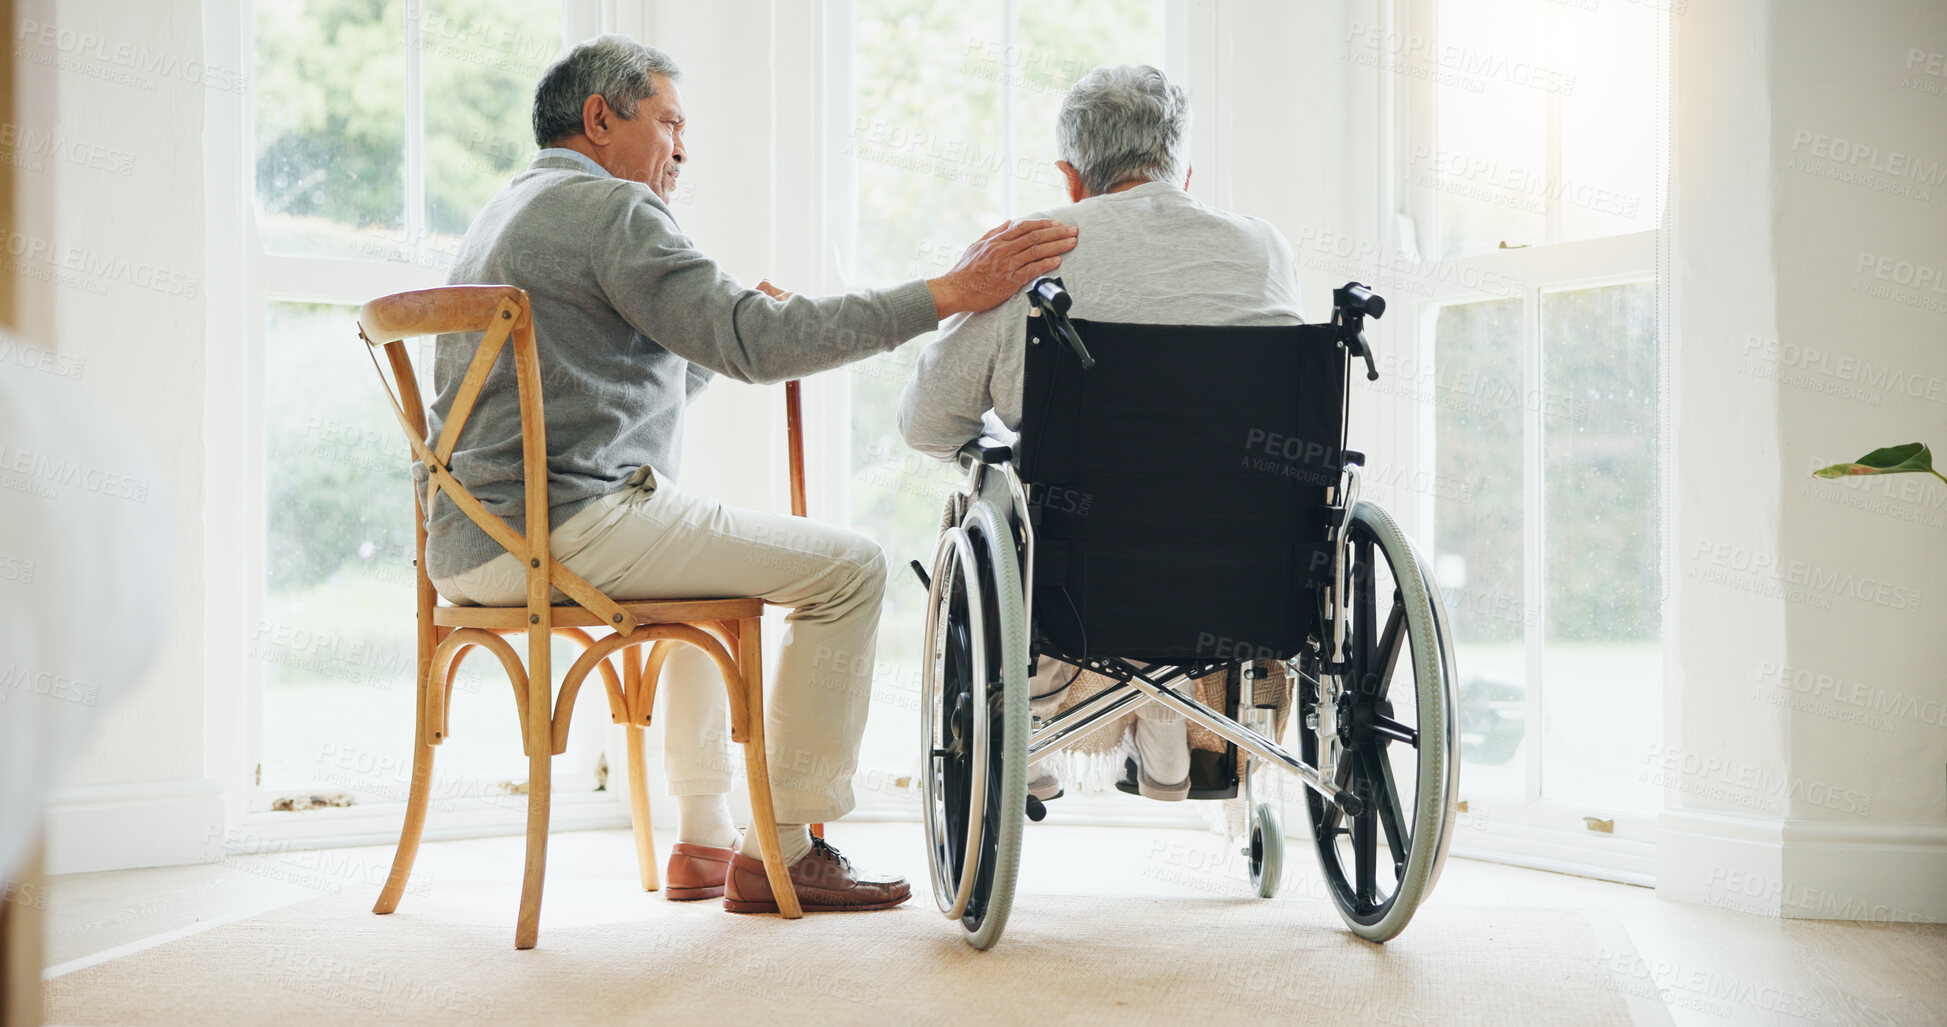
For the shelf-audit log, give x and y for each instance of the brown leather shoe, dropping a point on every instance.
(696, 872)
(824, 880)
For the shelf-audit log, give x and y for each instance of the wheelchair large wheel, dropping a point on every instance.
(974, 723)
(1396, 744)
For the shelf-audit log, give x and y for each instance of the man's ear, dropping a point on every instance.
(1187, 175)
(595, 113)
(1077, 192)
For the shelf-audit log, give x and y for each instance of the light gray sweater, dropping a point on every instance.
(1148, 255)
(630, 320)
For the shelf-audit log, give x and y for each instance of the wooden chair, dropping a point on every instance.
(728, 630)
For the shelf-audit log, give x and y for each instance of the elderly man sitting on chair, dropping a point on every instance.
(631, 320)
(1149, 253)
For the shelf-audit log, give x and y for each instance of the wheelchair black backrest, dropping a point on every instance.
(1178, 487)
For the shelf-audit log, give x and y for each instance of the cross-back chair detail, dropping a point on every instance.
(642, 633)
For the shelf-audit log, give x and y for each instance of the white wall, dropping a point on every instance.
(1784, 801)
(726, 209)
(128, 301)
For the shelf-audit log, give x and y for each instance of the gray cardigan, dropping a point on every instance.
(630, 321)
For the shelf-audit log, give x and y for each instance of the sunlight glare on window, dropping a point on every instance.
(1491, 166)
(1545, 127)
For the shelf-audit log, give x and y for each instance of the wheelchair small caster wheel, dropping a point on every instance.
(1266, 853)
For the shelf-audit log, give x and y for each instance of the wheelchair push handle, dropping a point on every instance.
(1051, 301)
(1352, 303)
(1355, 298)
(1049, 293)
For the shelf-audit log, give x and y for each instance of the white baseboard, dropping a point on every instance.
(1866, 871)
(171, 823)
(1804, 869)
(125, 826)
(1622, 860)
(379, 823)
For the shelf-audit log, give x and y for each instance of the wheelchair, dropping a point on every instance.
(1180, 502)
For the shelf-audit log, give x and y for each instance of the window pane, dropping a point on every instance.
(480, 66)
(1490, 159)
(933, 173)
(1603, 659)
(1049, 56)
(1546, 124)
(926, 137)
(336, 636)
(929, 157)
(1609, 132)
(1478, 399)
(330, 121)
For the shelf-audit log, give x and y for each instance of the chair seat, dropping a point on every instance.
(661, 611)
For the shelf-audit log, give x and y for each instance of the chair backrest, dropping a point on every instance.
(1179, 487)
(502, 314)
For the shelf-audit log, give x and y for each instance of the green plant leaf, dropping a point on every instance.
(1891, 460)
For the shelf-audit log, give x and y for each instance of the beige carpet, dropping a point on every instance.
(609, 956)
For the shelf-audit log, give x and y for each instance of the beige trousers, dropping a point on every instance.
(650, 541)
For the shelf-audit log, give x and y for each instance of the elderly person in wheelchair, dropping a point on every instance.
(1158, 490)
(1154, 255)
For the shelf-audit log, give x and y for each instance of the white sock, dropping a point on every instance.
(705, 820)
(794, 839)
(1162, 747)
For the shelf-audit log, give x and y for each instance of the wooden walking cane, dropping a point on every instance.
(794, 447)
(794, 438)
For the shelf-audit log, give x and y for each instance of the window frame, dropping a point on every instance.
(1530, 830)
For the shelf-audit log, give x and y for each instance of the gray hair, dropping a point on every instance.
(1124, 123)
(616, 67)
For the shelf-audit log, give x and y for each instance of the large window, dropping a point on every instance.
(952, 133)
(1529, 153)
(379, 127)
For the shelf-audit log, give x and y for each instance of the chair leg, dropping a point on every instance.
(409, 834)
(763, 816)
(417, 798)
(540, 784)
(539, 762)
(645, 839)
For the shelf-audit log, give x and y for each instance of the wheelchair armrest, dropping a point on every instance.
(985, 450)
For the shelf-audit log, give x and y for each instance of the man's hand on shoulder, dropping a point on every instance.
(773, 291)
(1000, 264)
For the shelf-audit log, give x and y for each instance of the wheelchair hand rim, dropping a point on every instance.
(954, 560)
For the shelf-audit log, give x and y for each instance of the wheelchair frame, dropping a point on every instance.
(989, 469)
